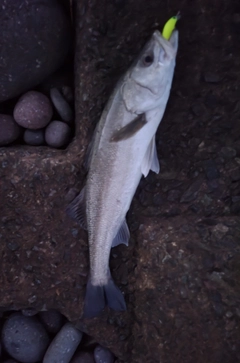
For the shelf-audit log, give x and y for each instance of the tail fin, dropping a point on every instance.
(97, 297)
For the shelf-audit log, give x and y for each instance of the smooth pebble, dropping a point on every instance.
(35, 39)
(52, 320)
(34, 137)
(103, 355)
(63, 108)
(24, 338)
(9, 130)
(63, 345)
(83, 357)
(33, 110)
(29, 312)
(57, 134)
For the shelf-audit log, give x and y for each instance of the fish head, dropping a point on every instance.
(150, 77)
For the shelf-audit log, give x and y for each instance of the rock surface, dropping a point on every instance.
(39, 26)
(180, 273)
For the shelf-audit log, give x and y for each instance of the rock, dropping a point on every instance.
(103, 355)
(210, 77)
(34, 137)
(26, 26)
(83, 357)
(191, 193)
(173, 195)
(9, 130)
(198, 109)
(63, 108)
(63, 345)
(67, 93)
(228, 152)
(24, 338)
(211, 169)
(52, 320)
(33, 110)
(57, 134)
(29, 312)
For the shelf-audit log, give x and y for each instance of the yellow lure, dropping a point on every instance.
(170, 26)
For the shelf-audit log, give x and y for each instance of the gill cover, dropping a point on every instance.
(150, 75)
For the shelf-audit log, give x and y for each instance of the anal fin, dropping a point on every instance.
(150, 160)
(123, 235)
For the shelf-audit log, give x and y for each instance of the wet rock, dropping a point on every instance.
(83, 357)
(235, 175)
(34, 137)
(103, 355)
(29, 312)
(211, 170)
(9, 130)
(63, 108)
(235, 208)
(228, 152)
(67, 93)
(63, 345)
(24, 338)
(28, 25)
(198, 109)
(191, 193)
(57, 134)
(173, 195)
(210, 77)
(33, 110)
(52, 320)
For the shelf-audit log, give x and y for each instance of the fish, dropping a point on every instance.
(123, 149)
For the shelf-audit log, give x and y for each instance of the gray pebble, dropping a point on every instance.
(24, 338)
(9, 130)
(29, 312)
(63, 108)
(103, 355)
(83, 357)
(211, 169)
(210, 77)
(52, 320)
(33, 110)
(34, 137)
(57, 134)
(63, 345)
(228, 152)
(67, 93)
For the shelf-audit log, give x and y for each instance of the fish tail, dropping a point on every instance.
(97, 297)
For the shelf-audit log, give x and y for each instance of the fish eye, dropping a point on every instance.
(147, 60)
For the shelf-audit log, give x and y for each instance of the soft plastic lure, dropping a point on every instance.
(170, 26)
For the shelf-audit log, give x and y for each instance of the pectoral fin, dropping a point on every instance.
(77, 209)
(122, 236)
(130, 129)
(150, 160)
